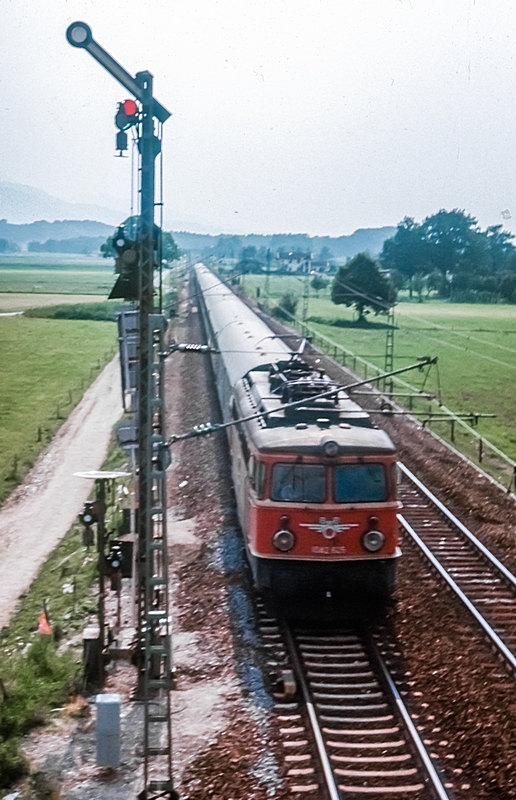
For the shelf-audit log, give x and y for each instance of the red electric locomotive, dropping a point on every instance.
(315, 480)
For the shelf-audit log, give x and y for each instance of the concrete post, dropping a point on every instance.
(108, 730)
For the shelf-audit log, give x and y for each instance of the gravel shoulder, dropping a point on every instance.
(40, 511)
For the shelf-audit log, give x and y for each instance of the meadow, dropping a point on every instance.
(46, 364)
(49, 273)
(475, 345)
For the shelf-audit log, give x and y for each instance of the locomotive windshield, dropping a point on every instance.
(360, 483)
(298, 483)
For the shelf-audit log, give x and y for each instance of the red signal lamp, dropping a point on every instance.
(130, 107)
(126, 115)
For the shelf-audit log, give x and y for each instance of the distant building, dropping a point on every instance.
(294, 261)
(321, 267)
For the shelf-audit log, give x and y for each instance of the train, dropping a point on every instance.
(315, 480)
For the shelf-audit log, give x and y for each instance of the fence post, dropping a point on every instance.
(480, 449)
(452, 430)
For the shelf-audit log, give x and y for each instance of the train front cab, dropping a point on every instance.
(323, 530)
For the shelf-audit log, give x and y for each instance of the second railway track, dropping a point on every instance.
(482, 583)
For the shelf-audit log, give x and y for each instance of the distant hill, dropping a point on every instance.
(42, 230)
(362, 240)
(23, 204)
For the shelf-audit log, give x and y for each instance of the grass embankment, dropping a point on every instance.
(475, 345)
(35, 676)
(45, 367)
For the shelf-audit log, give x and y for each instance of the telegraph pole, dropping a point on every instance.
(153, 618)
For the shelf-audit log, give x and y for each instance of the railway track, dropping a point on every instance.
(481, 582)
(345, 730)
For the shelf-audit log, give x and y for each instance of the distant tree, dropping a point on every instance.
(246, 266)
(436, 282)
(452, 239)
(418, 284)
(451, 244)
(507, 287)
(406, 252)
(397, 279)
(361, 284)
(85, 245)
(318, 282)
(325, 254)
(8, 247)
(169, 249)
(286, 308)
(499, 248)
(227, 247)
(107, 249)
(248, 253)
(250, 261)
(263, 255)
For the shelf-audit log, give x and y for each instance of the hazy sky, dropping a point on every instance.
(316, 116)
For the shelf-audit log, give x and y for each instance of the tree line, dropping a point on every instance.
(450, 255)
(447, 254)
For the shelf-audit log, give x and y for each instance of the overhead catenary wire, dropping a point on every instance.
(207, 428)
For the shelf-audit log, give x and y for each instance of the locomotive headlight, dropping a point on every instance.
(283, 540)
(373, 541)
(330, 447)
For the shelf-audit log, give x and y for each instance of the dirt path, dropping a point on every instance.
(42, 509)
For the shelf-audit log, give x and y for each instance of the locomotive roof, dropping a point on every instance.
(245, 342)
(306, 428)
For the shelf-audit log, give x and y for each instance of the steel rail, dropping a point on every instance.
(436, 782)
(488, 630)
(392, 695)
(333, 790)
(507, 574)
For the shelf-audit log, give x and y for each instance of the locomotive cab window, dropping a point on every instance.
(360, 483)
(298, 483)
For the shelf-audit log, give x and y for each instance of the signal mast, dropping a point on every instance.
(136, 282)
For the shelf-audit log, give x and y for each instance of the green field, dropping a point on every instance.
(16, 302)
(46, 364)
(42, 273)
(475, 345)
(45, 367)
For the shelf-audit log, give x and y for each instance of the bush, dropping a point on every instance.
(38, 682)
(105, 311)
(286, 308)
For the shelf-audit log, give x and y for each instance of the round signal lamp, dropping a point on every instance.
(130, 107)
